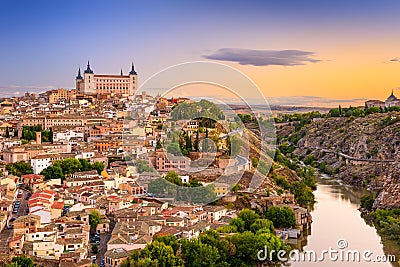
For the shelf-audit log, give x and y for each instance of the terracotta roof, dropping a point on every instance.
(32, 176)
(117, 253)
(58, 205)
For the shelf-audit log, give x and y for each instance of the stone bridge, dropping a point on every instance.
(348, 158)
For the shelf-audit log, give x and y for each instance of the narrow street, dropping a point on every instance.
(104, 238)
(6, 234)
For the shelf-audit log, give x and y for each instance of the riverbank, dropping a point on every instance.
(336, 216)
(387, 227)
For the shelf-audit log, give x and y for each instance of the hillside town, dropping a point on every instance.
(80, 166)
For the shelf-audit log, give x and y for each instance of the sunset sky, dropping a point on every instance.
(297, 52)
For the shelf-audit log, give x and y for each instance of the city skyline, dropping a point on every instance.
(294, 52)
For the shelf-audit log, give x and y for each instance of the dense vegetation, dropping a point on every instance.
(29, 133)
(172, 187)
(299, 119)
(281, 217)
(367, 201)
(24, 261)
(250, 235)
(60, 168)
(387, 223)
(19, 168)
(94, 219)
(201, 109)
(143, 166)
(21, 261)
(302, 190)
(359, 112)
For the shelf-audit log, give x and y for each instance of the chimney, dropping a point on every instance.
(38, 138)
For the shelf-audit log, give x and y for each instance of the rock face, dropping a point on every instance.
(389, 196)
(374, 137)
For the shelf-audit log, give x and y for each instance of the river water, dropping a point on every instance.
(336, 217)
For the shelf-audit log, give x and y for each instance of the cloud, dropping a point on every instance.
(18, 90)
(314, 101)
(263, 57)
(396, 59)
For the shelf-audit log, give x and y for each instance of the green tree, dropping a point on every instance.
(262, 167)
(195, 253)
(7, 135)
(173, 177)
(302, 194)
(204, 144)
(254, 162)
(98, 166)
(94, 219)
(247, 245)
(162, 187)
(238, 225)
(188, 142)
(235, 145)
(248, 217)
(158, 144)
(19, 168)
(95, 249)
(169, 240)
(367, 201)
(53, 172)
(155, 254)
(69, 165)
(85, 165)
(201, 109)
(196, 142)
(262, 224)
(21, 261)
(334, 112)
(281, 216)
(182, 146)
(143, 166)
(174, 149)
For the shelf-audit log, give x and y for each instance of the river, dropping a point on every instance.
(336, 217)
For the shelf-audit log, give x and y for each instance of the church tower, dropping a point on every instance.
(89, 83)
(79, 86)
(132, 81)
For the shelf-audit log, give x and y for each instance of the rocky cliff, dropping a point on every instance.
(362, 151)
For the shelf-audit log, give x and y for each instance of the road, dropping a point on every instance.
(6, 234)
(104, 238)
(238, 131)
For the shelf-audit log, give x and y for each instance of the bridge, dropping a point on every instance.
(349, 158)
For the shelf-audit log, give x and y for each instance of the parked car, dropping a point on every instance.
(95, 240)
